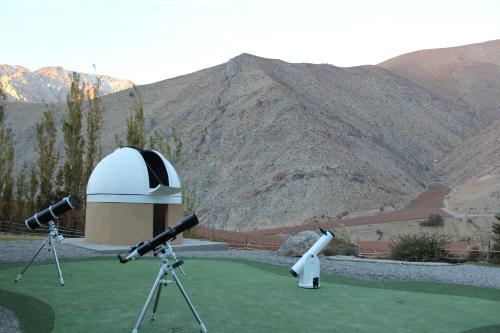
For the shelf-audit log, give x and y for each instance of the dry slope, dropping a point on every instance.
(269, 143)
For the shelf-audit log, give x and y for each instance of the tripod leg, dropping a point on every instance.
(203, 329)
(157, 300)
(183, 273)
(148, 301)
(31, 261)
(57, 262)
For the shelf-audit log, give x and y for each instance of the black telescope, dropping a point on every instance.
(169, 234)
(50, 213)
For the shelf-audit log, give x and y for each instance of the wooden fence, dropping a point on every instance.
(19, 228)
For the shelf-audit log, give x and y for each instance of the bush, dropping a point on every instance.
(421, 247)
(341, 244)
(434, 220)
(495, 257)
(474, 254)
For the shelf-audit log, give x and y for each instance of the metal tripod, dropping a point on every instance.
(161, 280)
(53, 236)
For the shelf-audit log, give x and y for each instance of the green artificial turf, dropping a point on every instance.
(102, 295)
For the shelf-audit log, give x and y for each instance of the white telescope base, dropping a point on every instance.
(309, 275)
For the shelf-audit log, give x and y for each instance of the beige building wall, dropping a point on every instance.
(118, 223)
(174, 215)
(125, 223)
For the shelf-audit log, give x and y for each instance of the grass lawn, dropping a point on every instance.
(102, 295)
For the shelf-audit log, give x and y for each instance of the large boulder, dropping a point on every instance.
(297, 244)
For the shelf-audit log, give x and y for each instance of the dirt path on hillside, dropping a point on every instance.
(429, 202)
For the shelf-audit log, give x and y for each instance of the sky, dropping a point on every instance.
(151, 40)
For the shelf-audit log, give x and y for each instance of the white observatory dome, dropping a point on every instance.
(134, 175)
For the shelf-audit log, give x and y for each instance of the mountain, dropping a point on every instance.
(50, 84)
(268, 143)
(469, 73)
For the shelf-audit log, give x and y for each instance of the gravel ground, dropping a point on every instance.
(8, 322)
(23, 250)
(373, 270)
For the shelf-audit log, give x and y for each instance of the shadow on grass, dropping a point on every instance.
(34, 315)
(484, 329)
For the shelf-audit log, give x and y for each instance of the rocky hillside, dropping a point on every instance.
(469, 73)
(269, 143)
(49, 84)
(477, 156)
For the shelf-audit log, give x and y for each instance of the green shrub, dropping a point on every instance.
(474, 254)
(420, 247)
(341, 244)
(434, 220)
(495, 257)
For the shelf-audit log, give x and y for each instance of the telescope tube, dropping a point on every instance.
(50, 213)
(320, 244)
(187, 223)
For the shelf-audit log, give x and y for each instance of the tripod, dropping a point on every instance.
(53, 236)
(163, 252)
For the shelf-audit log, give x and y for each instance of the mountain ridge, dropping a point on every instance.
(268, 143)
(50, 84)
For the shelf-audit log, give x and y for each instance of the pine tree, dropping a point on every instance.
(73, 169)
(136, 127)
(48, 157)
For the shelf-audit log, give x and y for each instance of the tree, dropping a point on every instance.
(20, 210)
(95, 121)
(496, 227)
(48, 157)
(189, 198)
(6, 163)
(434, 220)
(73, 169)
(496, 238)
(32, 190)
(160, 142)
(136, 127)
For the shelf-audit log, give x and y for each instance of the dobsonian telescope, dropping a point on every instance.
(160, 247)
(46, 218)
(307, 268)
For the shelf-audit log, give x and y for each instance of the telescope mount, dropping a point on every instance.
(163, 252)
(52, 237)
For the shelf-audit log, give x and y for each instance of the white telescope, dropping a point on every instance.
(307, 268)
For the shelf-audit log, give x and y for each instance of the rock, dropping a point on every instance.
(297, 244)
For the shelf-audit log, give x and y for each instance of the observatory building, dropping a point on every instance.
(132, 195)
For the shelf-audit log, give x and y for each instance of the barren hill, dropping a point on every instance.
(269, 143)
(50, 84)
(470, 73)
